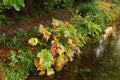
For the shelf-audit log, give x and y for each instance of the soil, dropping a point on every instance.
(59, 14)
(46, 20)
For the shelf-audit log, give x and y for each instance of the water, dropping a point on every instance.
(100, 60)
(100, 48)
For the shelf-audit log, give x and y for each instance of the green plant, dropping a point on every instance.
(17, 4)
(102, 13)
(86, 70)
(13, 42)
(2, 16)
(92, 28)
(45, 62)
(65, 4)
(85, 8)
(87, 25)
(3, 39)
(19, 65)
(62, 42)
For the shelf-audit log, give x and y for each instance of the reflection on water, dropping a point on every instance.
(100, 61)
(118, 43)
(100, 49)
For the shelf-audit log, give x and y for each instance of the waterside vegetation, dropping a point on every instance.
(47, 49)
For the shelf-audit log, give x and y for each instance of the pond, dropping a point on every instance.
(99, 60)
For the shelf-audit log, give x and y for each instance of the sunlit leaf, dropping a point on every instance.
(50, 71)
(106, 6)
(46, 34)
(46, 58)
(21, 3)
(66, 33)
(53, 49)
(70, 54)
(41, 29)
(33, 41)
(36, 62)
(61, 61)
(72, 30)
(70, 41)
(41, 73)
(55, 23)
(61, 49)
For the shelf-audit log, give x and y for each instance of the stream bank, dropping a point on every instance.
(90, 65)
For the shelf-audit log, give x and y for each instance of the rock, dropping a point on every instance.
(109, 31)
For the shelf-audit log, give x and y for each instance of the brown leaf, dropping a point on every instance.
(36, 62)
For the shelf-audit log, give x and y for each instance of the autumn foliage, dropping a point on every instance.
(64, 44)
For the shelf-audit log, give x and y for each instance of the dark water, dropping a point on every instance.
(99, 60)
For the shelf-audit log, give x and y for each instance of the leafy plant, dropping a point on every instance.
(13, 42)
(2, 16)
(44, 62)
(65, 4)
(19, 65)
(115, 1)
(62, 42)
(92, 28)
(17, 4)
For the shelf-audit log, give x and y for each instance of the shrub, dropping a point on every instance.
(18, 65)
(61, 41)
(17, 4)
(65, 4)
(2, 16)
(100, 12)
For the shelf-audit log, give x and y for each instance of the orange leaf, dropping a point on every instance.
(55, 24)
(41, 29)
(69, 41)
(53, 50)
(36, 62)
(46, 35)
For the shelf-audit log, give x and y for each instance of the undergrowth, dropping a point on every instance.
(48, 49)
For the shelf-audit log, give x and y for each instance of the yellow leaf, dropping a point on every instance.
(41, 29)
(33, 41)
(55, 23)
(46, 35)
(40, 61)
(69, 41)
(36, 62)
(37, 65)
(61, 61)
(61, 49)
